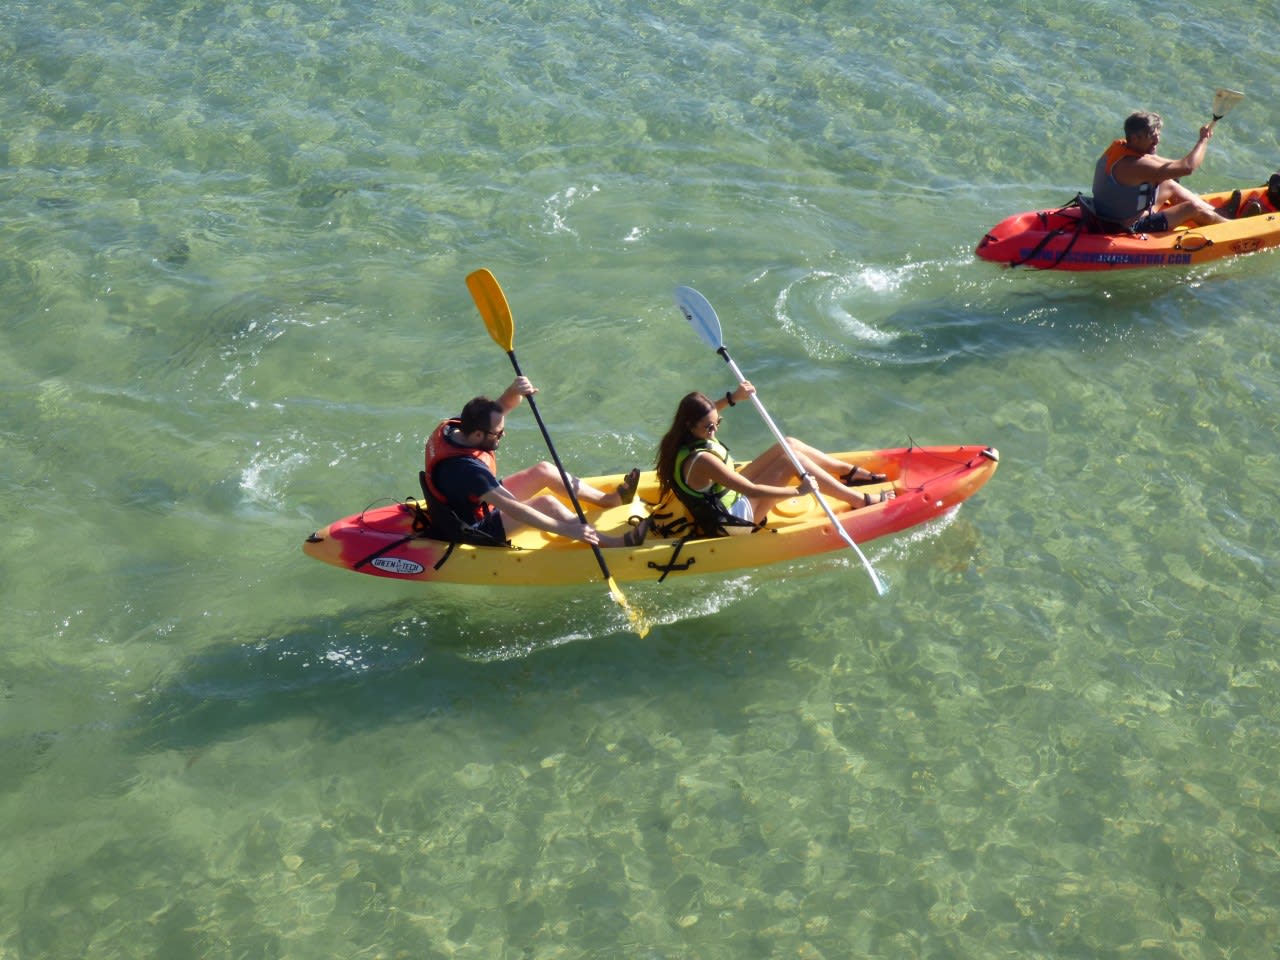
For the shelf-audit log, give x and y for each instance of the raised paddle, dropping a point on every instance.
(699, 312)
(493, 307)
(1223, 101)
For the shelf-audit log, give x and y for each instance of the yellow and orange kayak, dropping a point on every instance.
(1059, 239)
(926, 481)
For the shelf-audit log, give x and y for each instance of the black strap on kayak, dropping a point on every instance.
(666, 524)
(421, 521)
(1090, 221)
(447, 554)
(422, 526)
(1047, 239)
(671, 564)
(680, 524)
(377, 553)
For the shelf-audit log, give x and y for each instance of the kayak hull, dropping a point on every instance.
(1054, 240)
(927, 482)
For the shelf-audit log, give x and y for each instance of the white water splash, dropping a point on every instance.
(558, 205)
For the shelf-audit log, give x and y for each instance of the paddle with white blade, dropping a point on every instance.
(496, 313)
(1223, 101)
(702, 316)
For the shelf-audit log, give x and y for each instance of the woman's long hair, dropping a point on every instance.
(693, 407)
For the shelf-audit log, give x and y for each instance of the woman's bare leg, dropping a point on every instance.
(774, 468)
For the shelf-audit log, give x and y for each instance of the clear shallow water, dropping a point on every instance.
(235, 238)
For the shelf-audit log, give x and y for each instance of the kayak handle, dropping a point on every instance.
(1182, 242)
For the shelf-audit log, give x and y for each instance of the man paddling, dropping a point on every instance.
(468, 501)
(1136, 187)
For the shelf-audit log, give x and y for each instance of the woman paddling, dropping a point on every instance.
(694, 465)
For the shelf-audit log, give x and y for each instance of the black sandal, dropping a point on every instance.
(871, 499)
(850, 479)
(635, 538)
(627, 488)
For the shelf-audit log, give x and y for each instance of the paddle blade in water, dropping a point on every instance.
(639, 622)
(493, 307)
(701, 315)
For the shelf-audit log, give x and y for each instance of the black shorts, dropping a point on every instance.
(1151, 223)
(491, 526)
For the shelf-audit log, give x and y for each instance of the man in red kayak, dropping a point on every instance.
(467, 500)
(1136, 187)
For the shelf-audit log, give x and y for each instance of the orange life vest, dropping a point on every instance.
(440, 448)
(1118, 150)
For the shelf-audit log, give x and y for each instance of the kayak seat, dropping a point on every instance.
(1094, 222)
(438, 522)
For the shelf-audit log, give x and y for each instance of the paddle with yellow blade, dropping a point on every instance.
(1223, 101)
(493, 307)
(702, 317)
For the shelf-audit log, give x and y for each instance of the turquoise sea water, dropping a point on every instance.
(234, 243)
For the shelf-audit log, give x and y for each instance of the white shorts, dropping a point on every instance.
(741, 508)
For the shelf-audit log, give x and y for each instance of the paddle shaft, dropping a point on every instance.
(702, 317)
(800, 471)
(496, 314)
(564, 474)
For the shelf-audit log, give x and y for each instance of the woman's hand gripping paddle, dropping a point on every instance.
(493, 307)
(702, 316)
(1223, 101)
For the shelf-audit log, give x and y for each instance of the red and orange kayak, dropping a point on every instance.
(927, 482)
(1059, 239)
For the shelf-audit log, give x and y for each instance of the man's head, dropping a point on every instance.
(1142, 131)
(483, 422)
